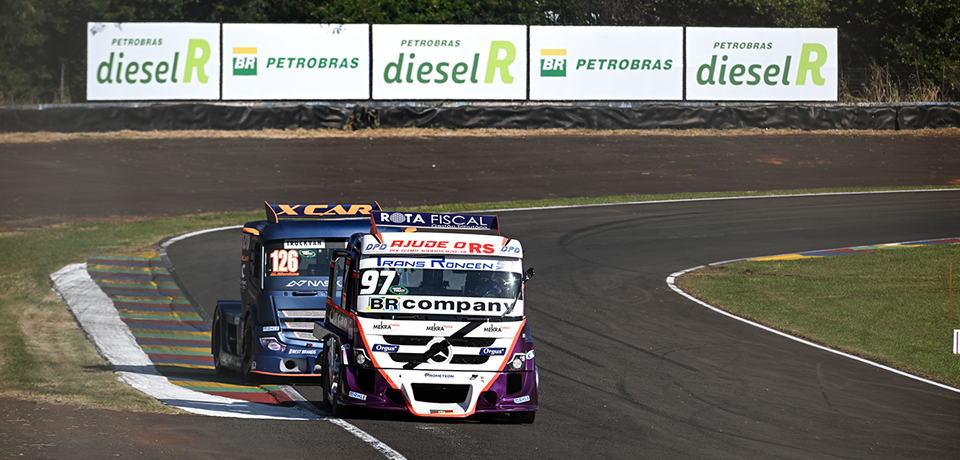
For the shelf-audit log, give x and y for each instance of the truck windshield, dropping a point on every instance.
(299, 257)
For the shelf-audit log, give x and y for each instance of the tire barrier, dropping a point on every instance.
(105, 117)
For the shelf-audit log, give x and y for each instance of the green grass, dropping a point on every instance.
(889, 306)
(44, 355)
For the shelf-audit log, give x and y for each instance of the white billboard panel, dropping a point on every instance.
(296, 61)
(606, 63)
(744, 64)
(449, 62)
(153, 61)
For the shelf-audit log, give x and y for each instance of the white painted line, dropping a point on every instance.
(671, 282)
(363, 435)
(626, 203)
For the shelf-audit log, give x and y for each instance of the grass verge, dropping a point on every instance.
(890, 306)
(45, 356)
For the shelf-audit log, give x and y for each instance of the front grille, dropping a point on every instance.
(440, 394)
(457, 359)
(299, 323)
(421, 340)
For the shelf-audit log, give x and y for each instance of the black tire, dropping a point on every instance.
(216, 346)
(525, 417)
(249, 362)
(332, 370)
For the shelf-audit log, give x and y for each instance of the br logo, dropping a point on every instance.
(553, 63)
(243, 63)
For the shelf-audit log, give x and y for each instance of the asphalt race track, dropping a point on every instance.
(629, 369)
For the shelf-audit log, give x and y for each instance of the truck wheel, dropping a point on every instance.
(216, 346)
(332, 371)
(249, 362)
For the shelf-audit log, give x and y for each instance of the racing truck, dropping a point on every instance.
(285, 263)
(430, 322)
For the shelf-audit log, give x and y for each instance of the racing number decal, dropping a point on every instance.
(369, 281)
(285, 261)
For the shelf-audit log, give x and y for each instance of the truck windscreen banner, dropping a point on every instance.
(606, 63)
(458, 62)
(153, 61)
(296, 61)
(753, 64)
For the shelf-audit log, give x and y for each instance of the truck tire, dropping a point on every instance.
(216, 346)
(332, 370)
(249, 362)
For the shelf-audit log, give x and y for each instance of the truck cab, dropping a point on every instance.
(284, 275)
(429, 322)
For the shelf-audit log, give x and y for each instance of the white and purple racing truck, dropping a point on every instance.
(429, 322)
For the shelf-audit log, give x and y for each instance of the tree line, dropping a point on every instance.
(888, 49)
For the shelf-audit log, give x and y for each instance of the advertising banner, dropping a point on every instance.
(449, 62)
(153, 61)
(743, 64)
(606, 63)
(296, 61)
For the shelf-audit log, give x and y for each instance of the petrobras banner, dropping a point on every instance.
(153, 61)
(745, 64)
(449, 62)
(606, 63)
(296, 61)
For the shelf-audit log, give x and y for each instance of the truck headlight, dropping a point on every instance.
(360, 357)
(272, 344)
(516, 363)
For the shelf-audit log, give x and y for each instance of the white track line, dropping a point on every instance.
(671, 282)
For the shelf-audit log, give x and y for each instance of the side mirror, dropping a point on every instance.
(528, 274)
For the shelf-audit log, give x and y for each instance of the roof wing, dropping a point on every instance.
(317, 211)
(433, 220)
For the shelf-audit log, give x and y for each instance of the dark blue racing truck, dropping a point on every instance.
(285, 267)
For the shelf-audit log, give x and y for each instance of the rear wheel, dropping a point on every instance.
(332, 376)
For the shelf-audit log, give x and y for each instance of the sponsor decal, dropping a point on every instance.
(302, 352)
(304, 244)
(355, 395)
(309, 283)
(340, 321)
(431, 375)
(530, 354)
(435, 328)
(398, 290)
(440, 411)
(492, 328)
(382, 327)
(521, 399)
(420, 305)
(381, 348)
(321, 210)
(431, 220)
(486, 351)
(308, 254)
